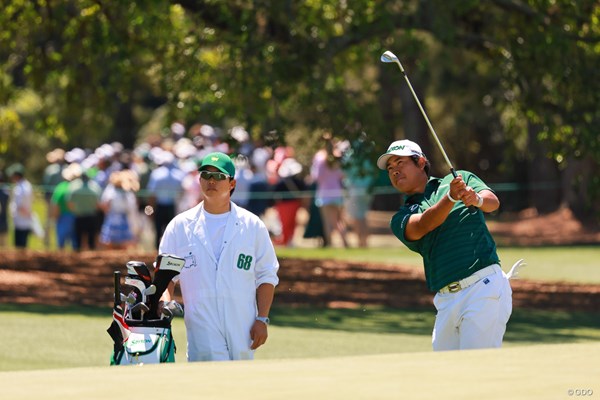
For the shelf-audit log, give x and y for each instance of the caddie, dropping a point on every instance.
(230, 272)
(442, 219)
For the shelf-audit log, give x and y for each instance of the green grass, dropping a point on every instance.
(578, 264)
(534, 372)
(45, 337)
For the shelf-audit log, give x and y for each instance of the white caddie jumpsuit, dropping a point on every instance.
(220, 298)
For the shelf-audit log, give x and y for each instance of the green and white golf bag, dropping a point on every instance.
(140, 335)
(146, 344)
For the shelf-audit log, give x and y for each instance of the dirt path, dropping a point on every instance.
(68, 278)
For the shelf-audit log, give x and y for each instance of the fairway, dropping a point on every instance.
(535, 372)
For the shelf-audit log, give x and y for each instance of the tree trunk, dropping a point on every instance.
(543, 176)
(576, 190)
(124, 130)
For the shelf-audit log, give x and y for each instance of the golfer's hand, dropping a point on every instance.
(457, 188)
(258, 334)
(469, 197)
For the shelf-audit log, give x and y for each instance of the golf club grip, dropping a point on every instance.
(117, 277)
(454, 174)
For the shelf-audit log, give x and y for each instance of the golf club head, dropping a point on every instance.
(138, 286)
(389, 57)
(150, 290)
(138, 310)
(166, 313)
(140, 307)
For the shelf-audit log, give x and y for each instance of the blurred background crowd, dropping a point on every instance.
(114, 197)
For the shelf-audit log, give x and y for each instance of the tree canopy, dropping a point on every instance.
(510, 85)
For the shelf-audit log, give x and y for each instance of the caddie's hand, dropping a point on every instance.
(258, 334)
(160, 307)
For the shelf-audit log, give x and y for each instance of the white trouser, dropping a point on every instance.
(474, 317)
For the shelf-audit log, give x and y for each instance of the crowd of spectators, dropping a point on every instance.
(114, 197)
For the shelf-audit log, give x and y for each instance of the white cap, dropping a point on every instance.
(289, 167)
(399, 148)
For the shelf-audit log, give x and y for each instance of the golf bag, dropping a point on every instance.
(140, 335)
(148, 343)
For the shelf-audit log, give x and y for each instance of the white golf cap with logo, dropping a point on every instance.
(399, 148)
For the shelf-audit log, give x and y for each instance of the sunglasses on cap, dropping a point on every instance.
(217, 176)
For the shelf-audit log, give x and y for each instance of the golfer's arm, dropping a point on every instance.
(264, 298)
(490, 201)
(420, 225)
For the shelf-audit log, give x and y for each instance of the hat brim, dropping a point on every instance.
(223, 170)
(383, 159)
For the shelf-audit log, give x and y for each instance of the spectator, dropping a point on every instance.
(192, 191)
(259, 189)
(83, 200)
(119, 203)
(65, 220)
(288, 194)
(360, 176)
(243, 178)
(327, 173)
(21, 205)
(164, 188)
(51, 178)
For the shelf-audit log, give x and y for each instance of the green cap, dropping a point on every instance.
(220, 161)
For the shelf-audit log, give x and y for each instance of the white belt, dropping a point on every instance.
(469, 280)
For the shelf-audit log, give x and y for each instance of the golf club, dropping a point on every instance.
(167, 267)
(139, 309)
(117, 288)
(389, 57)
(138, 286)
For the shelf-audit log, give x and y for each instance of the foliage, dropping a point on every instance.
(490, 73)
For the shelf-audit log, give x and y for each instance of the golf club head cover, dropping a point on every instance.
(167, 267)
(138, 269)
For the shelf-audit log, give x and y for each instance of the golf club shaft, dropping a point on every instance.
(117, 277)
(389, 57)
(430, 126)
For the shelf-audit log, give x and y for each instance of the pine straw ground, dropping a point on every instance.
(62, 278)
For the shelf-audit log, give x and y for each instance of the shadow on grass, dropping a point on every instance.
(525, 326)
(539, 326)
(57, 310)
(367, 319)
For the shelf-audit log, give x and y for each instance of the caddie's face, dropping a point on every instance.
(405, 175)
(215, 189)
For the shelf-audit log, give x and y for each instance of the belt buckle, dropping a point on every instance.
(454, 287)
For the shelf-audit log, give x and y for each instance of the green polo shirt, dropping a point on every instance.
(460, 246)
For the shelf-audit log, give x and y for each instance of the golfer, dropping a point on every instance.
(442, 219)
(230, 272)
